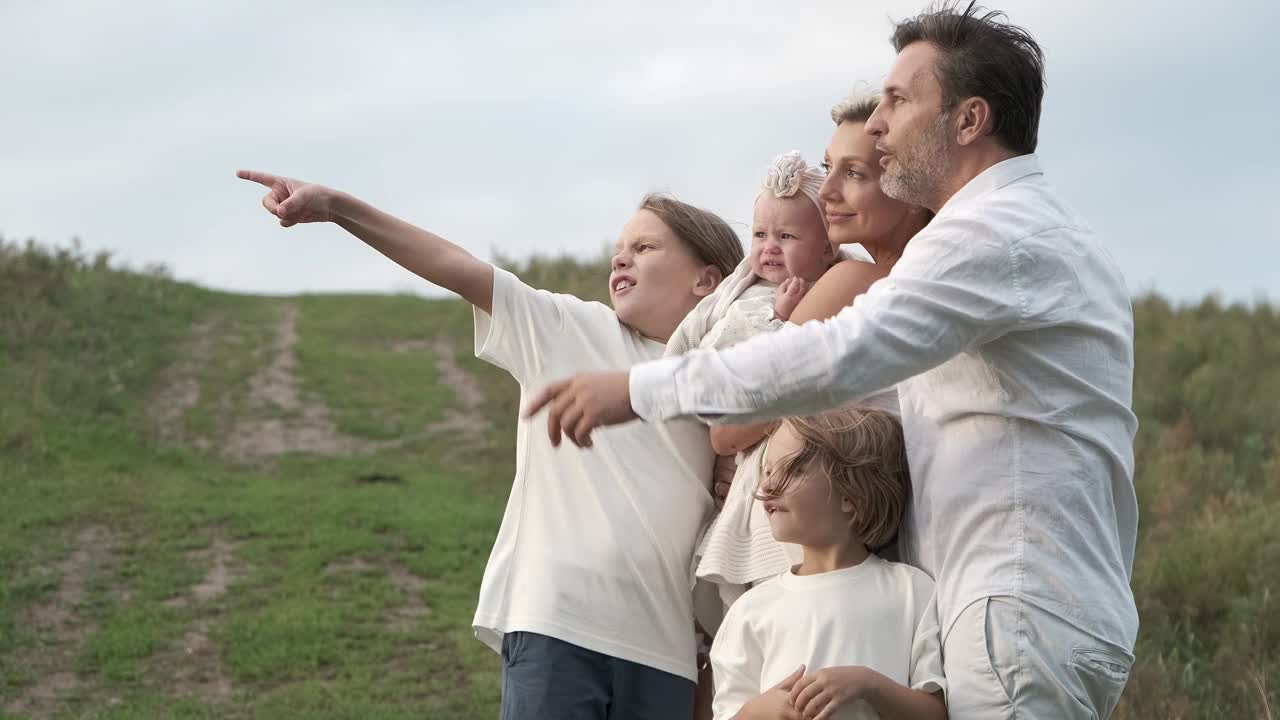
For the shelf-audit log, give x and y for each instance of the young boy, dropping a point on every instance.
(843, 635)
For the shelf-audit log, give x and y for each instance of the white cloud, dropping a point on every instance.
(529, 128)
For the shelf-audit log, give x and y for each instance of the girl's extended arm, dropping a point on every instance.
(423, 253)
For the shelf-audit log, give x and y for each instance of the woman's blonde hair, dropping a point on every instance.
(862, 452)
(856, 108)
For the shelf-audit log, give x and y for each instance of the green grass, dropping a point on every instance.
(82, 351)
(306, 628)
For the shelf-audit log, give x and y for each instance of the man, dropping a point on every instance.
(1009, 331)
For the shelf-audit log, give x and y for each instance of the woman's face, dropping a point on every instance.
(857, 209)
(788, 239)
(656, 278)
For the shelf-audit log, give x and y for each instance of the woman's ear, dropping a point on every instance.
(708, 280)
(846, 505)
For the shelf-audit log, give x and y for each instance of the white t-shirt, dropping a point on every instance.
(596, 546)
(877, 614)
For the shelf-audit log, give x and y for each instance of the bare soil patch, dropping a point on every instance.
(63, 630)
(469, 421)
(413, 605)
(308, 426)
(180, 390)
(195, 661)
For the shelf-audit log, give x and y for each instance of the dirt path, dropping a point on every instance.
(281, 418)
(469, 421)
(63, 630)
(180, 390)
(194, 662)
(309, 426)
(412, 606)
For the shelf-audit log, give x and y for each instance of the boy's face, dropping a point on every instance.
(788, 239)
(810, 513)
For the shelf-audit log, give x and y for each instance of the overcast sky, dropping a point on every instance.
(523, 129)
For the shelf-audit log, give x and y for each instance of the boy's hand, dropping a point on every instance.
(790, 293)
(293, 201)
(818, 695)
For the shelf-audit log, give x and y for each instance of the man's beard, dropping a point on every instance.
(917, 171)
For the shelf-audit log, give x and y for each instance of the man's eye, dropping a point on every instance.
(826, 167)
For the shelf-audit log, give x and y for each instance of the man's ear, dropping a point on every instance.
(846, 505)
(708, 280)
(973, 120)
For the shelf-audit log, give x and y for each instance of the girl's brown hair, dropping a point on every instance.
(862, 452)
(710, 238)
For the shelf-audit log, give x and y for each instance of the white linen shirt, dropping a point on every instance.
(1009, 331)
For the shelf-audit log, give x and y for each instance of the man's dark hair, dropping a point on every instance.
(980, 54)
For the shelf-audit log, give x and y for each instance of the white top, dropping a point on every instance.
(751, 314)
(596, 546)
(1009, 330)
(738, 548)
(877, 614)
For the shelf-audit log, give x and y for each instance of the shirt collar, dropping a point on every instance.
(994, 178)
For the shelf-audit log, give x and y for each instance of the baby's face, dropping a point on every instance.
(788, 239)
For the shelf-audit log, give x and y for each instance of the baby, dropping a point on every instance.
(789, 251)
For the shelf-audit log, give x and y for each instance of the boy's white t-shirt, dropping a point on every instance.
(596, 546)
(877, 614)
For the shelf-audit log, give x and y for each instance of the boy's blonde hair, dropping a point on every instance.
(862, 452)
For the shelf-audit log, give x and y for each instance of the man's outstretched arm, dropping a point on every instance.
(950, 292)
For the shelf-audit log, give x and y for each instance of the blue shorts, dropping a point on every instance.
(548, 679)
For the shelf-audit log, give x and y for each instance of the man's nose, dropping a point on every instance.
(876, 125)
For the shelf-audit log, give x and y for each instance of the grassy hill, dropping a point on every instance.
(223, 506)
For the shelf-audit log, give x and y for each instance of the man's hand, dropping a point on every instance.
(790, 293)
(774, 703)
(722, 478)
(818, 695)
(583, 403)
(293, 201)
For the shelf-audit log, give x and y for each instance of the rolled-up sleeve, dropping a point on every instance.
(955, 288)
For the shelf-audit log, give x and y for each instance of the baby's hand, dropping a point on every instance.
(790, 292)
